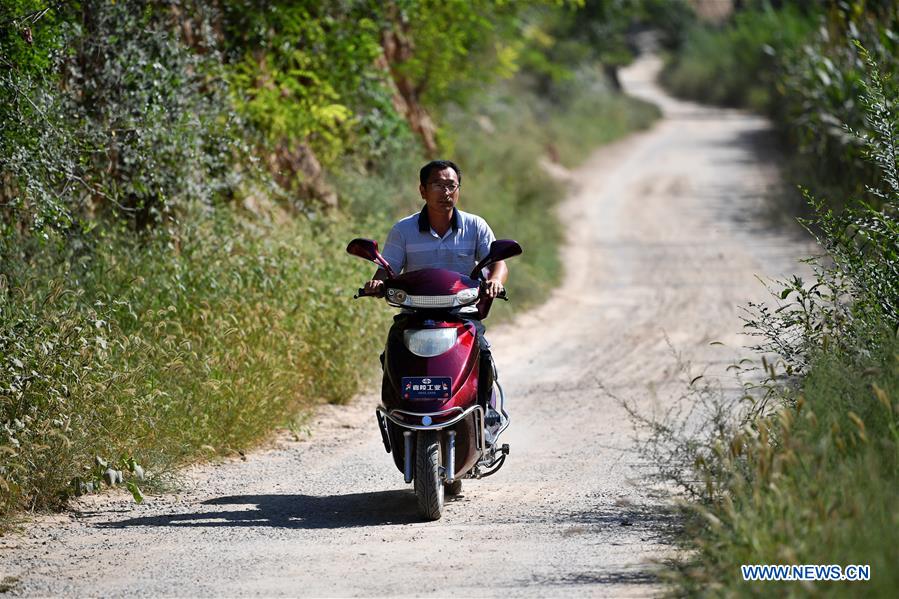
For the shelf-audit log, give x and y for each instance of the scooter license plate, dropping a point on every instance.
(423, 387)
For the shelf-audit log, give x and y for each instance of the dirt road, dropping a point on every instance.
(664, 242)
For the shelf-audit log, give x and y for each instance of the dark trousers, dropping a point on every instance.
(486, 370)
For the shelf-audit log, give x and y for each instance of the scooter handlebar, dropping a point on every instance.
(362, 293)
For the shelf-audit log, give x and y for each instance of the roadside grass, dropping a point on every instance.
(588, 114)
(171, 350)
(812, 483)
(197, 339)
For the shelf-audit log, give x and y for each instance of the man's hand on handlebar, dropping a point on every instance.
(492, 288)
(374, 287)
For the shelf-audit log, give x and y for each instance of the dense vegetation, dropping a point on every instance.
(804, 467)
(178, 180)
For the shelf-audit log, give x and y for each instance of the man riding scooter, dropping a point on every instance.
(442, 236)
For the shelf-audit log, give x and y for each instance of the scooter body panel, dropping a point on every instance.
(459, 363)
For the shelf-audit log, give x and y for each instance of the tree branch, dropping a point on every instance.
(34, 16)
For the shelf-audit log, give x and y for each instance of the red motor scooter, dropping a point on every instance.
(431, 418)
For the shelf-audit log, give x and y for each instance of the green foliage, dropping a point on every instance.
(305, 72)
(160, 350)
(817, 98)
(739, 64)
(122, 120)
(672, 20)
(595, 33)
(29, 35)
(327, 74)
(856, 292)
(29, 118)
(599, 30)
(459, 45)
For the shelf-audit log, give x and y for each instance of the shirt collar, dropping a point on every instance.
(424, 223)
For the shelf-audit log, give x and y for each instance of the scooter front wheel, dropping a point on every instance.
(428, 486)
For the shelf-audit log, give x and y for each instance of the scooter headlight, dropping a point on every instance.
(428, 343)
(467, 296)
(396, 296)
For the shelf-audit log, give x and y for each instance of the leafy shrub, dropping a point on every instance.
(305, 73)
(817, 103)
(122, 119)
(739, 63)
(157, 351)
(856, 294)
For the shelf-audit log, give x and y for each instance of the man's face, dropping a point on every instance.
(441, 191)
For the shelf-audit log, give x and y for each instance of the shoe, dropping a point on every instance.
(493, 423)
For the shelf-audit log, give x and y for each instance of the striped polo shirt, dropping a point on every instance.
(412, 244)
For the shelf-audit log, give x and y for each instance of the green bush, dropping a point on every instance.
(122, 119)
(811, 483)
(159, 350)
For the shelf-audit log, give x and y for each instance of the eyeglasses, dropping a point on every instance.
(450, 187)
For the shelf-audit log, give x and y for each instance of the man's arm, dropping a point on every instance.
(395, 253)
(497, 274)
(376, 285)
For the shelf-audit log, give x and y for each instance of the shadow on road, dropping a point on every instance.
(608, 525)
(293, 511)
(658, 523)
(623, 577)
(772, 207)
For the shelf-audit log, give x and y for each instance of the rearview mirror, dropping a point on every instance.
(367, 249)
(501, 249)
